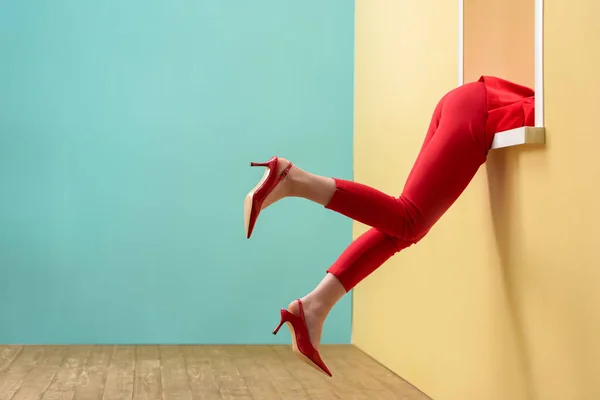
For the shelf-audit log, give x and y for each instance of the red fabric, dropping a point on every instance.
(510, 105)
(456, 145)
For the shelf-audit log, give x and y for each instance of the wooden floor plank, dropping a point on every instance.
(148, 379)
(57, 395)
(193, 373)
(231, 385)
(346, 382)
(286, 385)
(257, 378)
(120, 374)
(316, 384)
(349, 366)
(201, 374)
(13, 377)
(175, 382)
(67, 378)
(378, 379)
(94, 373)
(38, 380)
(7, 356)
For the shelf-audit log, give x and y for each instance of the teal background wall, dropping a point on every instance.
(126, 129)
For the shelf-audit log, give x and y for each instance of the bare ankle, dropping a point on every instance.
(315, 306)
(294, 184)
(323, 298)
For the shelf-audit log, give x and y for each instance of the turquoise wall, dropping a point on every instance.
(126, 129)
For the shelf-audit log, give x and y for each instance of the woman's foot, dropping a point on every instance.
(285, 186)
(301, 343)
(272, 187)
(317, 304)
(314, 315)
(283, 179)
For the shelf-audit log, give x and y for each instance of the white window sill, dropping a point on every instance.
(519, 136)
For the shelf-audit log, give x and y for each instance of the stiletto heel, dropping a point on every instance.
(301, 344)
(283, 321)
(278, 327)
(256, 197)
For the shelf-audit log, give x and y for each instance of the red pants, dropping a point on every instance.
(455, 146)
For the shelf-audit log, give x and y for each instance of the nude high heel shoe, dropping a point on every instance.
(301, 341)
(256, 197)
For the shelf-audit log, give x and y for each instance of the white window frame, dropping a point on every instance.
(524, 135)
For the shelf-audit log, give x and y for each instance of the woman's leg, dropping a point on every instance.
(446, 164)
(452, 153)
(364, 255)
(380, 207)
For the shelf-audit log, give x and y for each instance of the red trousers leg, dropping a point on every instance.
(365, 255)
(453, 150)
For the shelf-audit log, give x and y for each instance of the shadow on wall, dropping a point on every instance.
(503, 186)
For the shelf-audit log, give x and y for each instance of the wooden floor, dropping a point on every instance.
(192, 373)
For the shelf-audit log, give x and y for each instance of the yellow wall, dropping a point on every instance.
(502, 299)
